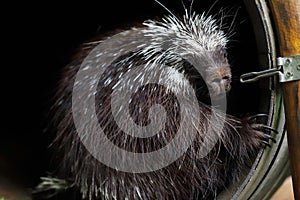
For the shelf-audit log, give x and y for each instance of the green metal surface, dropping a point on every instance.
(272, 164)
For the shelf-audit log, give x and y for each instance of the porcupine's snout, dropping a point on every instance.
(219, 81)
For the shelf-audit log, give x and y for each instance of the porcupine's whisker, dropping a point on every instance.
(163, 6)
(183, 5)
(212, 6)
(232, 25)
(191, 7)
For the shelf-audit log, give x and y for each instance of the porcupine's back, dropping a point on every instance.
(168, 44)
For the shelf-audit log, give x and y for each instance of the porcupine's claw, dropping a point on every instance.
(263, 127)
(257, 116)
(265, 142)
(270, 137)
(265, 138)
(269, 128)
(262, 131)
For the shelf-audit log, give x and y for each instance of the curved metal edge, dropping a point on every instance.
(272, 165)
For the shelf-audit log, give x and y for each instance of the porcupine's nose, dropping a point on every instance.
(220, 82)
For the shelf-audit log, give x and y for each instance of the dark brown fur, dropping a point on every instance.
(189, 177)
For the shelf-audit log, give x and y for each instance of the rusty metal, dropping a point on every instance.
(286, 16)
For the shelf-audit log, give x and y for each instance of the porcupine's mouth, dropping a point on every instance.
(218, 87)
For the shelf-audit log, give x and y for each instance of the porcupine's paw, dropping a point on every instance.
(260, 134)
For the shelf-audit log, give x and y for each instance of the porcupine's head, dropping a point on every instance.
(197, 39)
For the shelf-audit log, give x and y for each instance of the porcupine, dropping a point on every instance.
(182, 46)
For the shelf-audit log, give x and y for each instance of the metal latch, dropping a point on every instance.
(288, 69)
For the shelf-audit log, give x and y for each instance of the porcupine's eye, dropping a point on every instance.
(219, 81)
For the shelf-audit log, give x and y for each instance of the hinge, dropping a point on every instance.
(288, 69)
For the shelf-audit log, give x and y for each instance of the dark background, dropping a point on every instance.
(39, 39)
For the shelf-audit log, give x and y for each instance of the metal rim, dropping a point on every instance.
(272, 165)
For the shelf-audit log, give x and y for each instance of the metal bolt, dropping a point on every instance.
(288, 61)
(298, 67)
(288, 75)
